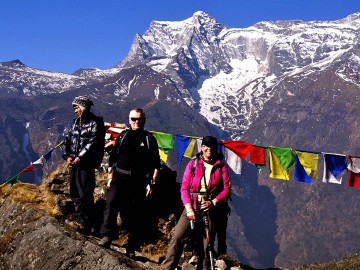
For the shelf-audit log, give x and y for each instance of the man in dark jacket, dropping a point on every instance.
(135, 164)
(82, 141)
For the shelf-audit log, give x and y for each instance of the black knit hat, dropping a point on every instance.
(210, 141)
(84, 102)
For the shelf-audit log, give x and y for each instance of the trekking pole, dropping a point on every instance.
(207, 230)
(207, 234)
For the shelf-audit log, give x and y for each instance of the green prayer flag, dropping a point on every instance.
(13, 180)
(281, 160)
(165, 140)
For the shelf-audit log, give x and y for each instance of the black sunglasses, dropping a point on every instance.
(140, 119)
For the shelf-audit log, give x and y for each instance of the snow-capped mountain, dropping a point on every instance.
(17, 79)
(228, 74)
(286, 83)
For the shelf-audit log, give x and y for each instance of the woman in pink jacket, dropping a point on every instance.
(204, 190)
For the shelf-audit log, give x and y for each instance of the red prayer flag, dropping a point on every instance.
(28, 169)
(257, 155)
(240, 148)
(353, 179)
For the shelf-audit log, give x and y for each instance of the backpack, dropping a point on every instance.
(100, 145)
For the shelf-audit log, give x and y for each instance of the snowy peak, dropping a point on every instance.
(167, 38)
(201, 20)
(14, 63)
(230, 73)
(353, 20)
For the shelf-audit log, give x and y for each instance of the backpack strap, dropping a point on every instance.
(147, 140)
(115, 151)
(120, 139)
(195, 160)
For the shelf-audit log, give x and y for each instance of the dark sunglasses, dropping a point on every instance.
(140, 119)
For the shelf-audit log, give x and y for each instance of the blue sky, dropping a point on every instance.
(66, 35)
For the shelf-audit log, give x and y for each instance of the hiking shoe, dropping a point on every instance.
(78, 226)
(105, 241)
(74, 224)
(84, 230)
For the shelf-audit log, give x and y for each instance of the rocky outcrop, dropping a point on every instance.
(31, 239)
(36, 231)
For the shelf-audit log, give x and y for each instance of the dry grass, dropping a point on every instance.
(40, 197)
(32, 196)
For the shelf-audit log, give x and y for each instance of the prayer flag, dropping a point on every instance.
(163, 154)
(198, 144)
(353, 165)
(182, 143)
(190, 149)
(44, 158)
(306, 166)
(29, 168)
(240, 148)
(164, 140)
(281, 161)
(41, 161)
(165, 143)
(233, 160)
(13, 180)
(334, 165)
(48, 155)
(258, 155)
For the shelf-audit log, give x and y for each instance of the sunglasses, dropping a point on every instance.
(140, 119)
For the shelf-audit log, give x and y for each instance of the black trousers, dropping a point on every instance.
(127, 196)
(82, 185)
(220, 220)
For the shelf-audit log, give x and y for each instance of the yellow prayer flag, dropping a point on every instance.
(309, 162)
(163, 154)
(190, 149)
(276, 170)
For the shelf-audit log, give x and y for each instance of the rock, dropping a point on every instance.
(187, 266)
(220, 265)
(33, 240)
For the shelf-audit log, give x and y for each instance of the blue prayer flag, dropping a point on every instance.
(300, 173)
(182, 143)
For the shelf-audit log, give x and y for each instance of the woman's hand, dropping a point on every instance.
(190, 214)
(206, 205)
